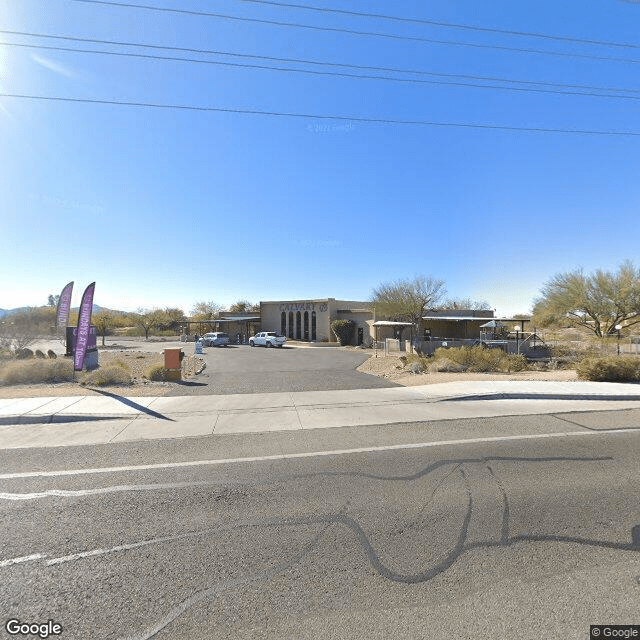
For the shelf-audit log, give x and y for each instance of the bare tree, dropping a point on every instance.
(147, 319)
(466, 303)
(596, 302)
(244, 306)
(206, 310)
(407, 300)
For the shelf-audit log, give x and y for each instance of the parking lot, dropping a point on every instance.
(245, 369)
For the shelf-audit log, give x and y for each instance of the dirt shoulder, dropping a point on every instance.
(391, 368)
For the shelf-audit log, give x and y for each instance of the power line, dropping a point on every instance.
(377, 34)
(326, 73)
(307, 61)
(316, 116)
(451, 25)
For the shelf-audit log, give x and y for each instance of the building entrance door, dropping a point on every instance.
(360, 335)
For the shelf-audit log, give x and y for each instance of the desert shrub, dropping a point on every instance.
(156, 373)
(610, 369)
(52, 354)
(444, 364)
(477, 360)
(413, 358)
(111, 374)
(131, 332)
(517, 362)
(36, 371)
(24, 354)
(39, 354)
(343, 330)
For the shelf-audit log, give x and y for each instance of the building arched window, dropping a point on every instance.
(283, 323)
(306, 326)
(313, 326)
(298, 327)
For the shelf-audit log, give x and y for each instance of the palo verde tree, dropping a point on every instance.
(596, 302)
(148, 319)
(104, 321)
(407, 300)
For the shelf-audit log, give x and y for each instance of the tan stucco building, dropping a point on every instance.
(311, 319)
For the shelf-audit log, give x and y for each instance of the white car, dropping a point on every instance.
(216, 339)
(267, 339)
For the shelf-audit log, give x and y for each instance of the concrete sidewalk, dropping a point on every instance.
(107, 417)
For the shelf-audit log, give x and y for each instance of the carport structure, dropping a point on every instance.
(229, 324)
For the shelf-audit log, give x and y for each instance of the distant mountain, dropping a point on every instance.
(96, 308)
(6, 312)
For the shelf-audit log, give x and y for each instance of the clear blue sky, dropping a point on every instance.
(164, 207)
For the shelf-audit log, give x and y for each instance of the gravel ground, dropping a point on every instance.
(391, 368)
(137, 361)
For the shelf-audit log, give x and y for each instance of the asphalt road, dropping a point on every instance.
(531, 539)
(245, 369)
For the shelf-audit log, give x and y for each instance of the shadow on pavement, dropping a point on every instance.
(544, 396)
(47, 419)
(133, 405)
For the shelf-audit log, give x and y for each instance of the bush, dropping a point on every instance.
(477, 360)
(24, 354)
(442, 364)
(112, 374)
(39, 354)
(343, 330)
(52, 354)
(36, 371)
(156, 373)
(610, 369)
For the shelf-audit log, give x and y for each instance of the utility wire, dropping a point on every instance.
(327, 73)
(377, 34)
(317, 116)
(317, 62)
(448, 25)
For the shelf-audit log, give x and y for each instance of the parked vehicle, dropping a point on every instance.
(267, 339)
(215, 339)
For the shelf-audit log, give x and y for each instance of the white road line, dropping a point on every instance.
(128, 547)
(314, 454)
(34, 556)
(73, 493)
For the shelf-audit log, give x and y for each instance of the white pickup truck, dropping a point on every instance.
(267, 339)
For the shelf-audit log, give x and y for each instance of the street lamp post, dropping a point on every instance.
(517, 330)
(618, 327)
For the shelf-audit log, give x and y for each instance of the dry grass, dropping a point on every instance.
(393, 368)
(156, 372)
(35, 371)
(610, 369)
(109, 375)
